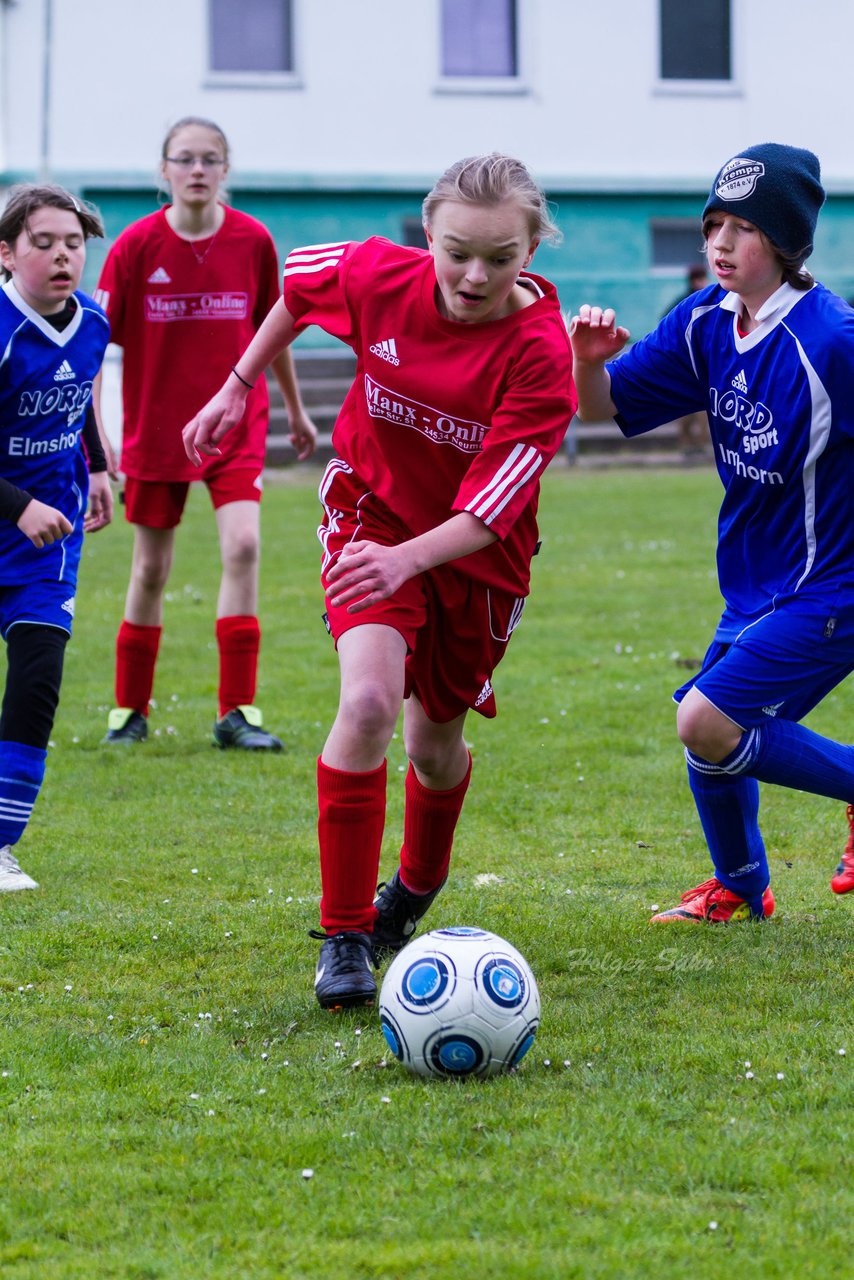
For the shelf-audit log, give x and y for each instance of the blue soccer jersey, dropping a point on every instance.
(780, 402)
(45, 385)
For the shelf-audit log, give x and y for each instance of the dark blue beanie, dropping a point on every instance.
(778, 189)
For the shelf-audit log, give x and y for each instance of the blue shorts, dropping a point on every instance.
(47, 604)
(783, 665)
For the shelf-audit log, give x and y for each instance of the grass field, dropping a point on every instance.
(166, 1076)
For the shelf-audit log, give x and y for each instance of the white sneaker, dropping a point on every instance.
(12, 877)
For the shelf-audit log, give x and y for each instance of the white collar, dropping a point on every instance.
(782, 299)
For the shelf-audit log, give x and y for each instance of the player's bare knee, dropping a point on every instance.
(370, 710)
(241, 552)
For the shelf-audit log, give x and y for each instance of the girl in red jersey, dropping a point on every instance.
(463, 394)
(185, 289)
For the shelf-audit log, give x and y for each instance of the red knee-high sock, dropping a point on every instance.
(238, 640)
(350, 821)
(429, 822)
(136, 658)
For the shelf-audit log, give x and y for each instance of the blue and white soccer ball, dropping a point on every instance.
(459, 1002)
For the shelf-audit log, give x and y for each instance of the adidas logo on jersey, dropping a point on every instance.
(739, 381)
(159, 277)
(64, 372)
(386, 351)
(68, 605)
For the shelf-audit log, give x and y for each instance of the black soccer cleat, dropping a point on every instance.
(125, 726)
(241, 728)
(398, 912)
(345, 971)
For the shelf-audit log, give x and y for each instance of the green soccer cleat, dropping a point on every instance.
(242, 728)
(125, 726)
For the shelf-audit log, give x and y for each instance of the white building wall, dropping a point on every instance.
(367, 100)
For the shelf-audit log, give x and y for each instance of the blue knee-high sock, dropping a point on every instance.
(729, 813)
(21, 775)
(786, 753)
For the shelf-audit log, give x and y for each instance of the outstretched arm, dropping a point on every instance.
(203, 434)
(595, 338)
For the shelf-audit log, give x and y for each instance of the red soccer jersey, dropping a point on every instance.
(442, 416)
(183, 312)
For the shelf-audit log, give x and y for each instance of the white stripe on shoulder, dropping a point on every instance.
(518, 467)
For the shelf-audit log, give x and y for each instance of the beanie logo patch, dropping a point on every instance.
(737, 179)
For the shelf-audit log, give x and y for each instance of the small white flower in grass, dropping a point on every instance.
(195, 871)
(262, 1090)
(286, 1063)
(385, 1099)
(264, 1057)
(21, 989)
(655, 907)
(228, 933)
(211, 1113)
(841, 1052)
(289, 899)
(109, 1017)
(358, 1031)
(547, 1062)
(75, 740)
(68, 986)
(566, 1062)
(544, 720)
(400, 768)
(194, 1097)
(748, 1075)
(4, 1074)
(166, 901)
(747, 1064)
(487, 877)
(780, 1075)
(29, 986)
(154, 937)
(713, 1226)
(307, 1174)
(269, 890)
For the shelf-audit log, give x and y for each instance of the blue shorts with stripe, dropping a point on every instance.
(47, 604)
(783, 665)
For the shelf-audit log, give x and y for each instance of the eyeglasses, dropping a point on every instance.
(188, 162)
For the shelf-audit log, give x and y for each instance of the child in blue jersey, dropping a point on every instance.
(769, 354)
(52, 340)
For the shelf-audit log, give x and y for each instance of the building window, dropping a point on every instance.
(696, 40)
(677, 243)
(251, 36)
(412, 233)
(479, 38)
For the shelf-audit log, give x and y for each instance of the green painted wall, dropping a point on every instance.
(605, 256)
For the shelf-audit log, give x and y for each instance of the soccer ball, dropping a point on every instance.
(459, 1002)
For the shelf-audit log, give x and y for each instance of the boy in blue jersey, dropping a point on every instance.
(769, 354)
(52, 341)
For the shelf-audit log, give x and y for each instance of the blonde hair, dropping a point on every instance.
(201, 122)
(490, 180)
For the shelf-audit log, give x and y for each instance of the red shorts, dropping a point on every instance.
(159, 504)
(456, 630)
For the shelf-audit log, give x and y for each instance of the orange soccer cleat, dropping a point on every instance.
(711, 903)
(842, 880)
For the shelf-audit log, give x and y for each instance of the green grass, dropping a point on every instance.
(167, 1075)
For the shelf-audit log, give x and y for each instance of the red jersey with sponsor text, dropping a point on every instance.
(442, 416)
(183, 312)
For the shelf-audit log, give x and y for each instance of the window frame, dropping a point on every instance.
(730, 88)
(514, 85)
(675, 222)
(292, 79)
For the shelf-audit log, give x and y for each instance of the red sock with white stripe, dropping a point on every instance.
(136, 658)
(350, 822)
(430, 820)
(238, 639)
